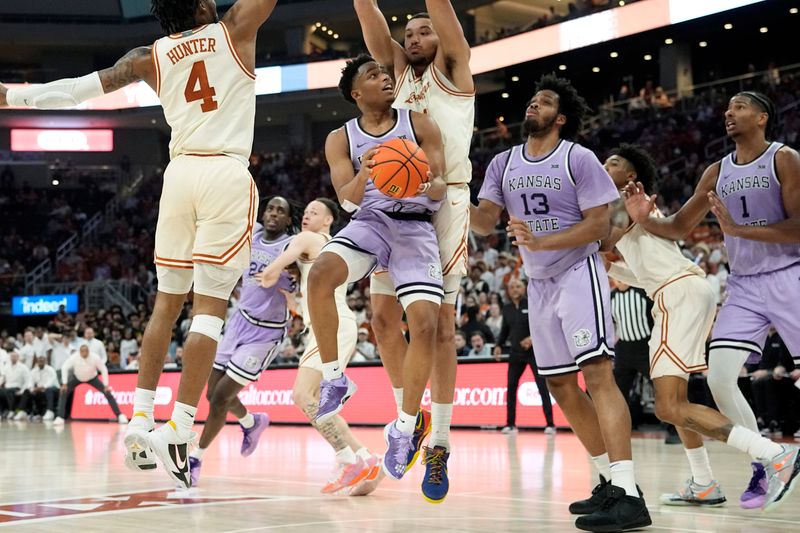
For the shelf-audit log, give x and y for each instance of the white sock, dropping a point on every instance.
(441, 415)
(753, 443)
(363, 453)
(248, 420)
(331, 371)
(346, 456)
(183, 418)
(700, 465)
(603, 466)
(622, 476)
(143, 400)
(723, 380)
(398, 398)
(406, 423)
(197, 453)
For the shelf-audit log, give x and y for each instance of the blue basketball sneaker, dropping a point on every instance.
(421, 430)
(435, 484)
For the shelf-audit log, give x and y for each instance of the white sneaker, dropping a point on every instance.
(508, 430)
(58, 421)
(173, 452)
(49, 415)
(21, 415)
(138, 454)
(122, 419)
(550, 430)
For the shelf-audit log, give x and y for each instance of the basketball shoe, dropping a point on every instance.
(346, 475)
(618, 512)
(173, 452)
(332, 396)
(693, 494)
(251, 435)
(399, 450)
(374, 477)
(421, 430)
(138, 454)
(593, 502)
(782, 475)
(755, 494)
(195, 465)
(435, 484)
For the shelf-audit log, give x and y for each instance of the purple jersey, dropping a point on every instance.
(752, 194)
(360, 141)
(549, 194)
(266, 307)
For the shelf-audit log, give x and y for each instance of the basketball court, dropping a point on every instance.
(499, 483)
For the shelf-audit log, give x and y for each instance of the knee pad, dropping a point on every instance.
(208, 325)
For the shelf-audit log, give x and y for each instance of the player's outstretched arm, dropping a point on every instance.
(787, 162)
(430, 140)
(246, 17)
(349, 185)
(595, 226)
(454, 51)
(677, 226)
(378, 38)
(68, 92)
(306, 242)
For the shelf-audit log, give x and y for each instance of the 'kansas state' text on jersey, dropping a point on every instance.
(360, 142)
(752, 195)
(549, 194)
(256, 302)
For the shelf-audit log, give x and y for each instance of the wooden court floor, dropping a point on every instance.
(72, 479)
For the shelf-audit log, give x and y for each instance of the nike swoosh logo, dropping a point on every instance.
(455, 203)
(360, 145)
(705, 493)
(512, 169)
(177, 453)
(782, 464)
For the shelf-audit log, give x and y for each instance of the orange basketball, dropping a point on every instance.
(400, 167)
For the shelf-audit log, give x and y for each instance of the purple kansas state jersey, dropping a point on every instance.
(752, 194)
(549, 194)
(265, 305)
(360, 142)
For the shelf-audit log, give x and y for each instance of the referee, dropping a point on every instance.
(632, 313)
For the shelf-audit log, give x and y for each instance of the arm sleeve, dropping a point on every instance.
(67, 92)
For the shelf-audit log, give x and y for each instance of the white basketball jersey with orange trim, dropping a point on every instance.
(454, 113)
(653, 260)
(340, 294)
(207, 94)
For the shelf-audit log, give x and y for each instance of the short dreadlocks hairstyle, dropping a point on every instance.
(295, 212)
(570, 103)
(765, 103)
(644, 166)
(349, 73)
(174, 16)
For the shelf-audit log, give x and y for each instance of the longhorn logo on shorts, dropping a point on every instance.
(582, 338)
(435, 271)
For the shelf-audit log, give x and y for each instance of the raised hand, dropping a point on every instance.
(637, 203)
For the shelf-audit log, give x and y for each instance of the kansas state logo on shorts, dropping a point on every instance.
(582, 338)
(251, 362)
(435, 271)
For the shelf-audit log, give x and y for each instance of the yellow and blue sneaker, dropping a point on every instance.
(435, 484)
(421, 430)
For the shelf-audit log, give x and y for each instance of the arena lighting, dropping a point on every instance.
(600, 27)
(668, 41)
(394, 18)
(728, 26)
(408, 17)
(793, 11)
(614, 54)
(37, 140)
(514, 78)
(562, 67)
(763, 29)
(504, 95)
(702, 44)
(595, 69)
(648, 57)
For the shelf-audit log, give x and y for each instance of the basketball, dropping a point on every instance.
(400, 167)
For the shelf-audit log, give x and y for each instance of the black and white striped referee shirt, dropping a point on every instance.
(632, 313)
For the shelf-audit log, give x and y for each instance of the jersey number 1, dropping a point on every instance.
(206, 93)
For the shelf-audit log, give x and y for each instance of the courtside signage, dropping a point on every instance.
(44, 304)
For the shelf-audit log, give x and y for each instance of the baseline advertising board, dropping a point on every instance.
(480, 398)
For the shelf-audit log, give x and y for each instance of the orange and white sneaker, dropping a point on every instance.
(346, 475)
(783, 472)
(373, 479)
(709, 495)
(138, 454)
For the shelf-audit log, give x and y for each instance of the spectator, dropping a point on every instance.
(479, 346)
(61, 349)
(462, 350)
(44, 389)
(364, 348)
(85, 366)
(95, 345)
(473, 323)
(127, 346)
(15, 381)
(495, 320)
(475, 284)
(28, 352)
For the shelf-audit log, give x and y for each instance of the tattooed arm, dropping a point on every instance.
(134, 66)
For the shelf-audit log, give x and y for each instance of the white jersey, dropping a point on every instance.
(207, 94)
(340, 294)
(651, 261)
(453, 111)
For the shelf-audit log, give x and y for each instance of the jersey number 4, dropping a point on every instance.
(197, 88)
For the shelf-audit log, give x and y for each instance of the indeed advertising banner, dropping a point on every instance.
(480, 398)
(43, 304)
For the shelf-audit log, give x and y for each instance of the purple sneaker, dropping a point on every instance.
(756, 493)
(332, 396)
(251, 435)
(400, 448)
(194, 469)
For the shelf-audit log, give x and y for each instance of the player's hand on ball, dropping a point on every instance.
(435, 188)
(3, 93)
(726, 222)
(522, 234)
(637, 203)
(367, 162)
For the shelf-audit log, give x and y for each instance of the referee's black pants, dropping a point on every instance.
(630, 358)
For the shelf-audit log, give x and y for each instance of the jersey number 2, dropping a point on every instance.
(206, 93)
